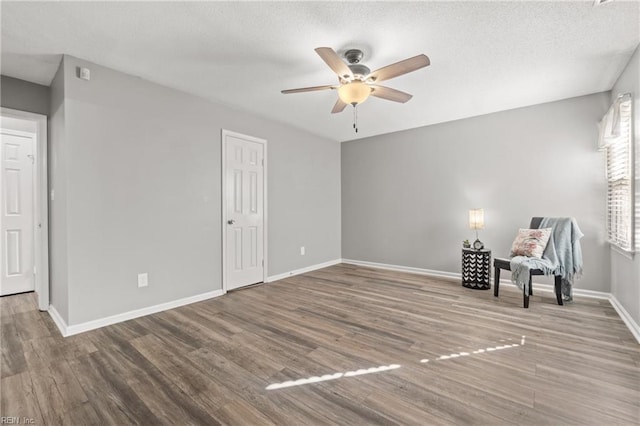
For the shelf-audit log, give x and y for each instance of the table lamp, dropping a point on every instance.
(476, 221)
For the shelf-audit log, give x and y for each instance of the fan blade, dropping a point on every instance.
(308, 89)
(339, 106)
(390, 94)
(332, 59)
(399, 68)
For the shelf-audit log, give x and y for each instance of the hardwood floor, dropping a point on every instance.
(444, 354)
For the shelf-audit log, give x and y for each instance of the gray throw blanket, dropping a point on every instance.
(562, 256)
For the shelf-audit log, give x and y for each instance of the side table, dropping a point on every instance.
(476, 269)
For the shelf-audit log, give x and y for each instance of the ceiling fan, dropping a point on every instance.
(357, 82)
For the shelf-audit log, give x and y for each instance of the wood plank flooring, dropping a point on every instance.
(439, 354)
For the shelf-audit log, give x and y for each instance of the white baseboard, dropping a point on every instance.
(410, 269)
(303, 270)
(458, 276)
(57, 319)
(628, 320)
(551, 289)
(70, 330)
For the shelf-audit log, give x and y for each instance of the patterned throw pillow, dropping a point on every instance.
(531, 242)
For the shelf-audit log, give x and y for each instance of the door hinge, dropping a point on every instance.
(34, 270)
(262, 262)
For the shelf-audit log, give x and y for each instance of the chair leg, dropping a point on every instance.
(530, 286)
(496, 283)
(558, 286)
(526, 295)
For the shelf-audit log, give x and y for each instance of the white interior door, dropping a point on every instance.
(17, 216)
(244, 201)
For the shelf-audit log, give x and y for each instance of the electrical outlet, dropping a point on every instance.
(85, 74)
(302, 251)
(143, 280)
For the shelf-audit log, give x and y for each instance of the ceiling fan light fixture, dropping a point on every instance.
(354, 93)
(356, 80)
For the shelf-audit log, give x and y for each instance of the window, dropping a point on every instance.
(616, 141)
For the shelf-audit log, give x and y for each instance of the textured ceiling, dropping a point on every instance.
(485, 56)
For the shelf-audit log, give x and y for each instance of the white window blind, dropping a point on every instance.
(616, 141)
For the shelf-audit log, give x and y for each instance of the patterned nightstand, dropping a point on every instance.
(476, 269)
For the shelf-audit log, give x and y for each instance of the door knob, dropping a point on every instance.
(231, 221)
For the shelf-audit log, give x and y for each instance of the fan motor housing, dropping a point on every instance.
(359, 69)
(353, 56)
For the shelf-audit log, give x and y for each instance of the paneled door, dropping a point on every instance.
(16, 181)
(244, 196)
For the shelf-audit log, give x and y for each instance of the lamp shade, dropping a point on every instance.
(354, 93)
(476, 219)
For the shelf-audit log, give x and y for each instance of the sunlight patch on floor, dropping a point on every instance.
(477, 351)
(334, 376)
(382, 368)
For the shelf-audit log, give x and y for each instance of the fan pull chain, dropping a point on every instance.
(355, 117)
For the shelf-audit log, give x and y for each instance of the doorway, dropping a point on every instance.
(244, 201)
(24, 252)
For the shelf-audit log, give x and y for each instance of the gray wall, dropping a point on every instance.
(406, 195)
(625, 272)
(57, 168)
(24, 96)
(144, 189)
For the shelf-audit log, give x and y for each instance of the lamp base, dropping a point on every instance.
(478, 245)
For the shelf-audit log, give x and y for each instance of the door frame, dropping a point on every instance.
(41, 203)
(224, 135)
